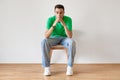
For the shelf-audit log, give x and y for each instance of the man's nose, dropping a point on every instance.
(58, 14)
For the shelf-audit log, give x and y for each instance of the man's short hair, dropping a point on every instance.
(59, 6)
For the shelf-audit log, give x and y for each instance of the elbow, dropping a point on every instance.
(46, 36)
(70, 36)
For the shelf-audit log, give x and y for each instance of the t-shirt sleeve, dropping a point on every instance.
(69, 24)
(49, 23)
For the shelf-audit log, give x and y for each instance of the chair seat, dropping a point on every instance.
(58, 47)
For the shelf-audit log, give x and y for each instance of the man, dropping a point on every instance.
(59, 31)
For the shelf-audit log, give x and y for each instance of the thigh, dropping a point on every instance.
(52, 41)
(67, 41)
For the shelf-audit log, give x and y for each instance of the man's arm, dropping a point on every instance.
(68, 33)
(48, 32)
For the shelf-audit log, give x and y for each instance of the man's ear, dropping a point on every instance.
(64, 12)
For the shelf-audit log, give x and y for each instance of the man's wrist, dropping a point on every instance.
(53, 27)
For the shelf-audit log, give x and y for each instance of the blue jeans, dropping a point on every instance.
(47, 43)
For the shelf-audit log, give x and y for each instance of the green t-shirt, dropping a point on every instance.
(59, 30)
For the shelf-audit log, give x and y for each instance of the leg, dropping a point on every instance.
(71, 46)
(45, 47)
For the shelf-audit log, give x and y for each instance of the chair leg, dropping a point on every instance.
(50, 54)
(66, 53)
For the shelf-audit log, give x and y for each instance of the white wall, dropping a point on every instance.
(96, 25)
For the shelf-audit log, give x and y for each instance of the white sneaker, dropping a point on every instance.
(69, 71)
(47, 71)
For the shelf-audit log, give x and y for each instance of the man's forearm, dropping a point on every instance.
(48, 32)
(68, 33)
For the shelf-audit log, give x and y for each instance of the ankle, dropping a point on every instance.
(47, 71)
(69, 67)
(47, 68)
(69, 71)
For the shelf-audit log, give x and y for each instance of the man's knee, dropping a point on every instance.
(44, 41)
(71, 42)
